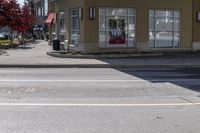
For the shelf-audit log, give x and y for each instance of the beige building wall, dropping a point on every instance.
(65, 6)
(91, 33)
(196, 26)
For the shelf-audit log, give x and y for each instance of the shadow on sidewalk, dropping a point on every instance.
(26, 46)
(3, 52)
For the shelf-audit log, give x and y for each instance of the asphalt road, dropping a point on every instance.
(99, 100)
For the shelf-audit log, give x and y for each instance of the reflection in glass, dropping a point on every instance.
(151, 24)
(117, 12)
(164, 28)
(151, 13)
(102, 37)
(176, 39)
(62, 29)
(164, 24)
(131, 12)
(164, 13)
(176, 24)
(164, 39)
(102, 12)
(177, 14)
(75, 26)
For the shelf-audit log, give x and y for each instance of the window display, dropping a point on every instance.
(116, 27)
(117, 31)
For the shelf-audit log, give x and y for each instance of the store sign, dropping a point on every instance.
(198, 17)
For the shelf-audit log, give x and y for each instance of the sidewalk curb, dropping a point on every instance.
(101, 56)
(96, 66)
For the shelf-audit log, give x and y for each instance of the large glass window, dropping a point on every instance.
(164, 28)
(75, 26)
(62, 29)
(117, 27)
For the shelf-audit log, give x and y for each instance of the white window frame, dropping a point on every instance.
(173, 27)
(107, 45)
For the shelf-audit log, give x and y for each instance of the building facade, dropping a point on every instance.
(40, 9)
(127, 26)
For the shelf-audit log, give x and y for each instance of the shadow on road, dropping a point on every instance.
(188, 78)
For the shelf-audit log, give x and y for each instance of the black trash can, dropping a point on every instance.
(56, 44)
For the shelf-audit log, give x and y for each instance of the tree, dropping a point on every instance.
(26, 19)
(16, 18)
(9, 13)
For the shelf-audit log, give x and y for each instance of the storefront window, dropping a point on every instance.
(116, 27)
(164, 28)
(75, 26)
(62, 29)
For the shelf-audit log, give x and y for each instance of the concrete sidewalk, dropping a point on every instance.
(35, 55)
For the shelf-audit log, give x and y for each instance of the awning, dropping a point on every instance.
(50, 18)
